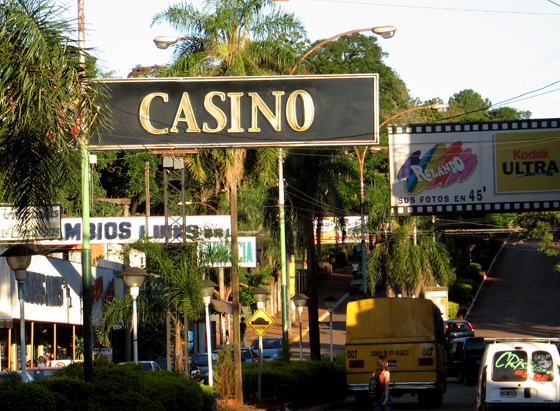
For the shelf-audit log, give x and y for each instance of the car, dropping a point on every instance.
(14, 376)
(454, 357)
(194, 369)
(42, 373)
(473, 349)
(458, 329)
(272, 348)
(201, 360)
(249, 355)
(146, 365)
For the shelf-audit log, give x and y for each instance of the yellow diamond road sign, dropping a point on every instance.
(260, 321)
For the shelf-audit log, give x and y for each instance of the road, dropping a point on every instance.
(518, 299)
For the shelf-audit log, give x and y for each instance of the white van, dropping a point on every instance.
(521, 372)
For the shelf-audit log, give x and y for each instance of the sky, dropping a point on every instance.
(506, 50)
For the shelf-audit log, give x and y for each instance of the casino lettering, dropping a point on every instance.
(217, 103)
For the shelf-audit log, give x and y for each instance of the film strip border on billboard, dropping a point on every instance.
(513, 207)
(469, 127)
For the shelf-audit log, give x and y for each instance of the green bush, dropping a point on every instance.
(17, 396)
(453, 310)
(127, 387)
(286, 381)
(461, 291)
(69, 393)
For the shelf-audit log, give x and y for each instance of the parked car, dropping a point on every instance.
(272, 348)
(457, 329)
(519, 372)
(194, 369)
(249, 355)
(146, 365)
(14, 375)
(42, 373)
(473, 349)
(454, 357)
(201, 360)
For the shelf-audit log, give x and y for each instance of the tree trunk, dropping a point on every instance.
(311, 292)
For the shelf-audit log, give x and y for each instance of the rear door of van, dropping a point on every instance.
(523, 375)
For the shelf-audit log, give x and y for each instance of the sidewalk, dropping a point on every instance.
(335, 285)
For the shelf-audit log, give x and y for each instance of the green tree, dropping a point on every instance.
(46, 106)
(409, 262)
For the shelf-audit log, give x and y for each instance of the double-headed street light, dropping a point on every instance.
(19, 258)
(134, 278)
(208, 287)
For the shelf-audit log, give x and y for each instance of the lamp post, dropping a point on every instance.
(163, 42)
(440, 108)
(299, 300)
(260, 295)
(331, 302)
(134, 278)
(19, 258)
(384, 31)
(208, 287)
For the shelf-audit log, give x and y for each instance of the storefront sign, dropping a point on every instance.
(215, 112)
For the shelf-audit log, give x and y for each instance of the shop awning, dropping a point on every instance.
(6, 320)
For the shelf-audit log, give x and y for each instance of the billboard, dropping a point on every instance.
(492, 167)
(217, 112)
(332, 232)
(10, 227)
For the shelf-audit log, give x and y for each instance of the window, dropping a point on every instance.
(542, 366)
(510, 366)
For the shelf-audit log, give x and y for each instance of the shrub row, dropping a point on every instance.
(123, 388)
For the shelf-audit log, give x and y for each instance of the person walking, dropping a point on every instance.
(242, 329)
(355, 270)
(382, 371)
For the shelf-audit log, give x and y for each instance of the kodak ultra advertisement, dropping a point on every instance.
(492, 167)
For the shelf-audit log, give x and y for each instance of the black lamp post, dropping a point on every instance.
(331, 302)
(208, 287)
(299, 300)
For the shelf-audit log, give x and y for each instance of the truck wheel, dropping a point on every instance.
(430, 398)
(363, 401)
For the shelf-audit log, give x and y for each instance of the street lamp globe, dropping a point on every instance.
(163, 42)
(208, 287)
(19, 258)
(260, 295)
(299, 300)
(330, 303)
(134, 277)
(385, 31)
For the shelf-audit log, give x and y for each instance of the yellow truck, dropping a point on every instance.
(409, 331)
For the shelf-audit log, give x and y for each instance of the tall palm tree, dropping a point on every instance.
(46, 107)
(231, 38)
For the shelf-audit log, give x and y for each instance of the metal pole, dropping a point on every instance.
(300, 311)
(330, 314)
(86, 248)
(260, 367)
(282, 216)
(209, 348)
(135, 328)
(23, 349)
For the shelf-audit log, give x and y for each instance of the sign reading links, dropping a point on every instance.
(213, 112)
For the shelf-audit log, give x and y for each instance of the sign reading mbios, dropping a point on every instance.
(212, 112)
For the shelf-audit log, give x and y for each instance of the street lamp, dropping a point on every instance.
(163, 42)
(384, 31)
(208, 287)
(19, 258)
(331, 303)
(299, 300)
(260, 295)
(440, 108)
(134, 278)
